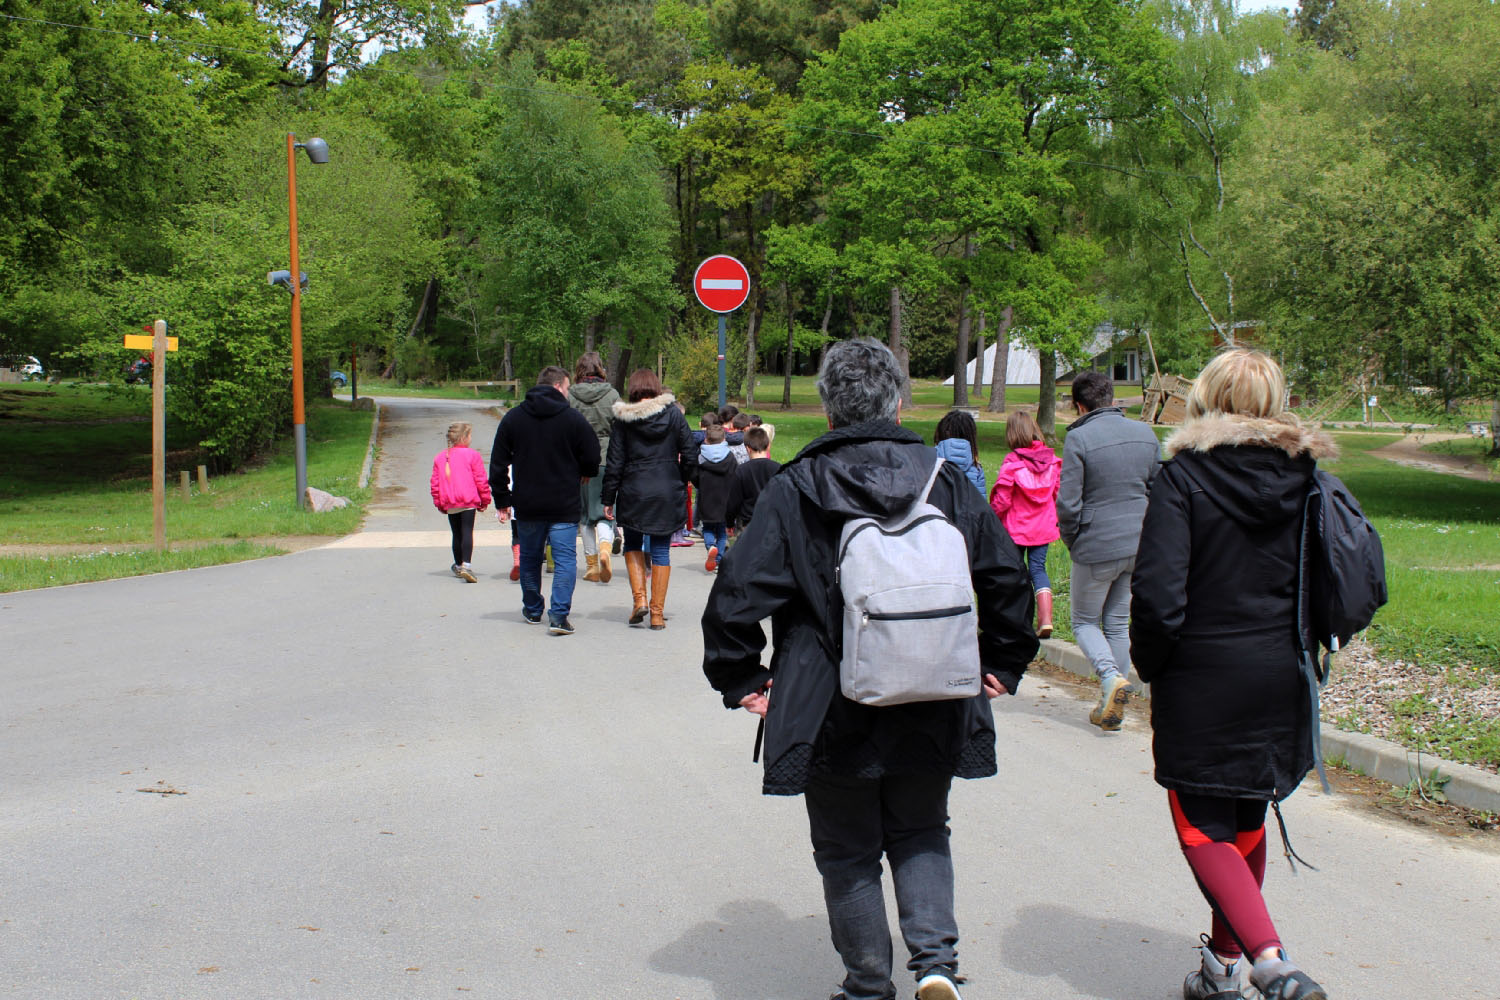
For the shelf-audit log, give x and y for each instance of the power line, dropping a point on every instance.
(157, 38)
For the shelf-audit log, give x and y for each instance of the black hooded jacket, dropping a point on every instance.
(550, 447)
(1213, 607)
(652, 457)
(782, 567)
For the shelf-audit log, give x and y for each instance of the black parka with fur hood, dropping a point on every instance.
(782, 568)
(652, 456)
(1213, 606)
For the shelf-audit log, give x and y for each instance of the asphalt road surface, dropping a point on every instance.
(393, 787)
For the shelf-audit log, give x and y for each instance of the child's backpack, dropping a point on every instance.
(1344, 563)
(910, 631)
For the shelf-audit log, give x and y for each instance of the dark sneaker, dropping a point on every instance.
(560, 626)
(530, 620)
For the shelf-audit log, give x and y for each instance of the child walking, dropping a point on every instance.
(716, 467)
(460, 489)
(1024, 496)
(957, 440)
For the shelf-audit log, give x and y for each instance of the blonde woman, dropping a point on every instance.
(1213, 630)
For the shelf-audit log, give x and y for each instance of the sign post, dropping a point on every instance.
(722, 284)
(159, 344)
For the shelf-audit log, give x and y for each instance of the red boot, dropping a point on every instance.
(1043, 614)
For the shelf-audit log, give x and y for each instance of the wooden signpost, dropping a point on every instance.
(159, 344)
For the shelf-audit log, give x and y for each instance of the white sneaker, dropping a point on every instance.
(936, 986)
(466, 572)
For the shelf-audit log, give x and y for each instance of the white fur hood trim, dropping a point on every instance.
(1285, 432)
(630, 412)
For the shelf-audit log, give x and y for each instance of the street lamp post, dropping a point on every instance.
(317, 152)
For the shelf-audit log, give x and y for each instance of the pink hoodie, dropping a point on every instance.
(1024, 494)
(459, 480)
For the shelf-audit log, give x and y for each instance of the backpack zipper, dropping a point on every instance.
(907, 616)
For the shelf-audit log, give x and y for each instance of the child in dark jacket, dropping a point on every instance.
(751, 477)
(716, 467)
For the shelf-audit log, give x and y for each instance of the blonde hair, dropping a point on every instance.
(1021, 429)
(1238, 381)
(458, 433)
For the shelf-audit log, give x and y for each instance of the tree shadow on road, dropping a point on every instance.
(754, 951)
(1097, 957)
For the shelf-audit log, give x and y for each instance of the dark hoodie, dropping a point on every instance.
(782, 568)
(1213, 609)
(550, 447)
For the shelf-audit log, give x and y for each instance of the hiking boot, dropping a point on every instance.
(1110, 712)
(560, 626)
(712, 564)
(466, 572)
(592, 573)
(606, 571)
(1218, 979)
(1279, 979)
(937, 985)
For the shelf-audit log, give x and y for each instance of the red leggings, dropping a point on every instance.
(1224, 841)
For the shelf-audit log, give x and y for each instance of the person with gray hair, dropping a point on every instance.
(875, 778)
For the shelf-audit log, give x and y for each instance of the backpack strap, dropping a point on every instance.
(931, 480)
(1307, 659)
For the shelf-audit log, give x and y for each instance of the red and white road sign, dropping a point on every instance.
(721, 283)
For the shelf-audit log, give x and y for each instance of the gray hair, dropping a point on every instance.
(860, 381)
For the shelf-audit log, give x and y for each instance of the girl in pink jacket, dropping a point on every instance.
(460, 489)
(1024, 495)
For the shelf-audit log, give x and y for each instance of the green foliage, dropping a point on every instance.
(32, 572)
(694, 374)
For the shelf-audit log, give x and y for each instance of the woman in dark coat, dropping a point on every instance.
(652, 456)
(1213, 630)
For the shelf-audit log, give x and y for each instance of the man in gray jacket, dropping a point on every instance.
(1108, 462)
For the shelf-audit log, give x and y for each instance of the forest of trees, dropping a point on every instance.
(935, 173)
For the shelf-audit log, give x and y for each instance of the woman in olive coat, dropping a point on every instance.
(593, 396)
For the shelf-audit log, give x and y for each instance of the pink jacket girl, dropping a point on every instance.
(1024, 497)
(460, 489)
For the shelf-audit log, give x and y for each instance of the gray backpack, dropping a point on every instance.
(910, 631)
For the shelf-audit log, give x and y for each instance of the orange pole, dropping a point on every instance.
(299, 415)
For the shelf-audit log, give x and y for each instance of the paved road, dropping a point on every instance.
(395, 788)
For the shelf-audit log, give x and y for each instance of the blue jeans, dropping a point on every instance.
(1100, 599)
(658, 548)
(715, 534)
(905, 817)
(533, 536)
(1036, 563)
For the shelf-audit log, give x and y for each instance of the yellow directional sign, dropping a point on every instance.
(141, 342)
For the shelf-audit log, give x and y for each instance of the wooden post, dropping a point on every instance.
(159, 435)
(187, 485)
(202, 479)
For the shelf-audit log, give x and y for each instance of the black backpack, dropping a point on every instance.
(1343, 562)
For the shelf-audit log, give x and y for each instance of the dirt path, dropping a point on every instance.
(1408, 452)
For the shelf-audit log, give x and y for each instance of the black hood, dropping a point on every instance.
(544, 401)
(1259, 487)
(874, 469)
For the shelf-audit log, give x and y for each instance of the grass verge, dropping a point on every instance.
(34, 572)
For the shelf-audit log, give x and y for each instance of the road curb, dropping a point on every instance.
(364, 470)
(1467, 786)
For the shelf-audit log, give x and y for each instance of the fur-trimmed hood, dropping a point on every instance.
(1285, 433)
(1254, 469)
(644, 409)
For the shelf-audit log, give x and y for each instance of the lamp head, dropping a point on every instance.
(284, 279)
(317, 150)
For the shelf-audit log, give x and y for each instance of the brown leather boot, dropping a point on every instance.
(635, 566)
(660, 575)
(1043, 614)
(592, 573)
(606, 572)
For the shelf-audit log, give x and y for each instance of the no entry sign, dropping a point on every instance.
(721, 283)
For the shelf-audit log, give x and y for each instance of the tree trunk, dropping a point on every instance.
(590, 331)
(903, 358)
(961, 350)
(791, 353)
(1046, 405)
(508, 362)
(750, 353)
(622, 369)
(1001, 369)
(979, 361)
(322, 43)
(1495, 428)
(612, 356)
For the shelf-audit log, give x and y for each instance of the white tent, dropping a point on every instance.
(1023, 365)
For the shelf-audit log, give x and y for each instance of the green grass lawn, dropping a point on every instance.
(924, 393)
(32, 572)
(370, 386)
(73, 402)
(71, 483)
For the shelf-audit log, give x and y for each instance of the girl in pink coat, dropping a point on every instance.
(460, 489)
(1023, 497)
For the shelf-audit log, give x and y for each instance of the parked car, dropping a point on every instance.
(339, 379)
(29, 367)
